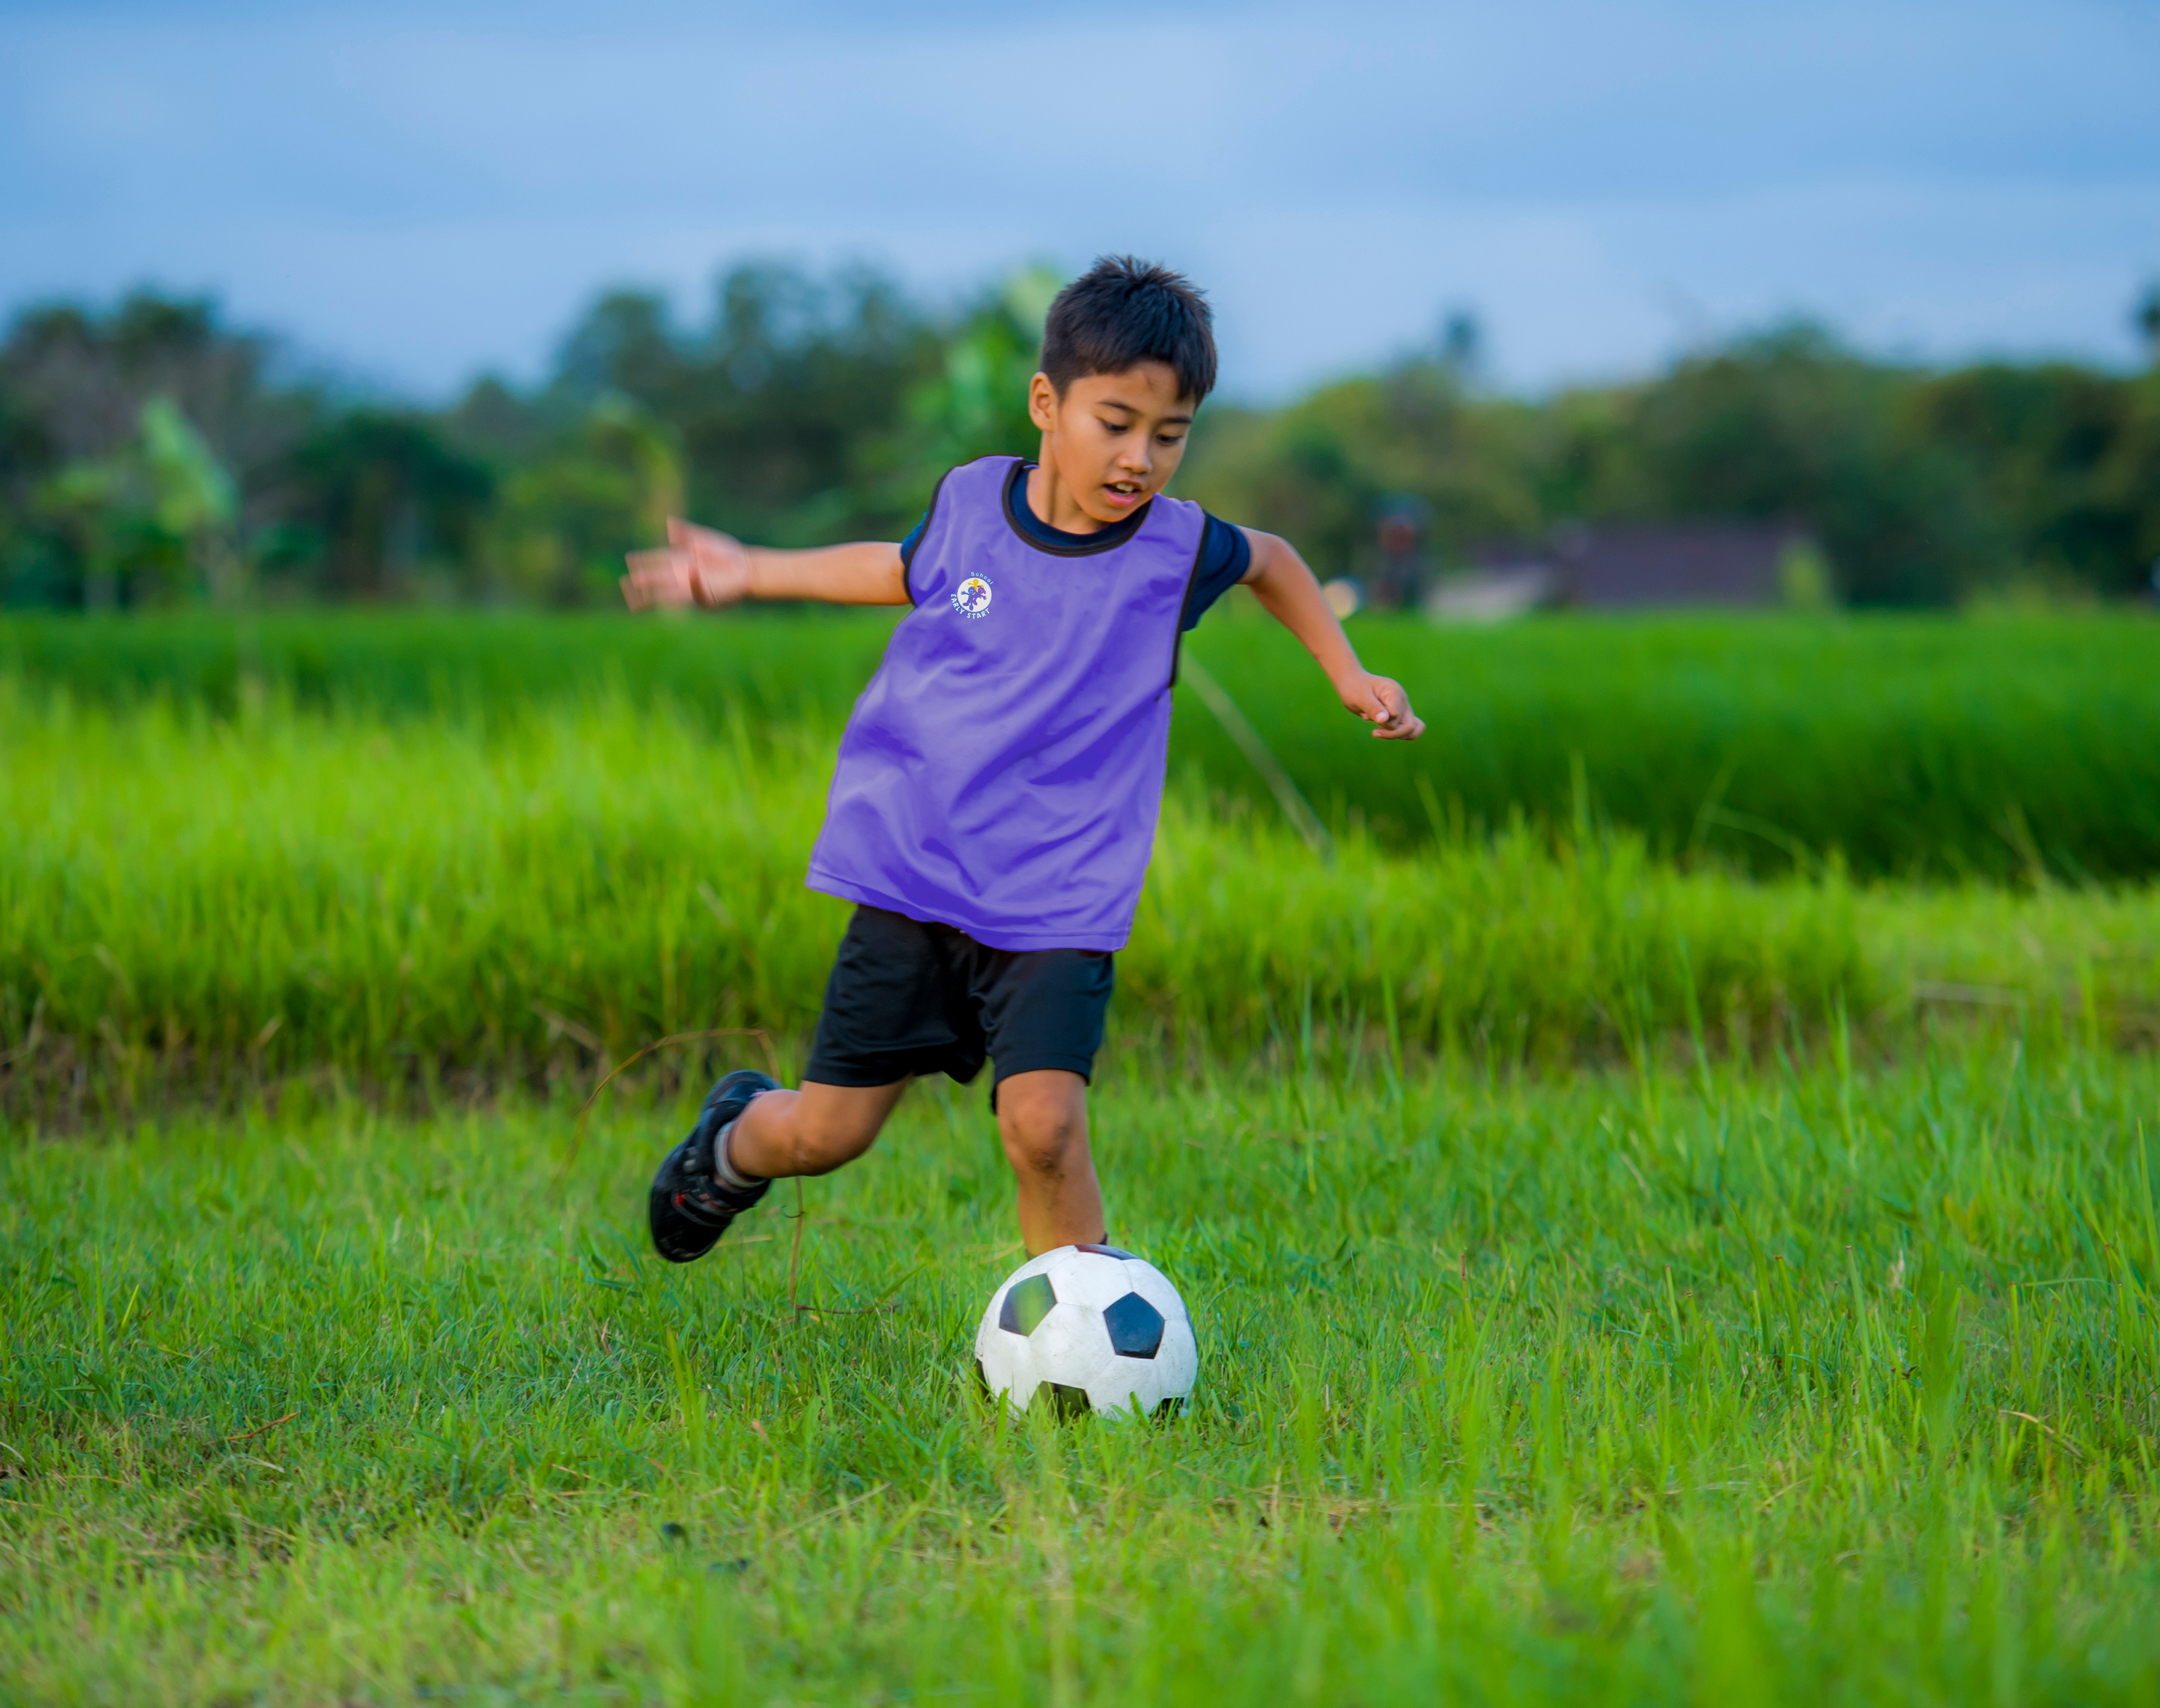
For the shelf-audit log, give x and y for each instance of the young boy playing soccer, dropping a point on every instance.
(994, 807)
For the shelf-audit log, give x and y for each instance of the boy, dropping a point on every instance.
(995, 802)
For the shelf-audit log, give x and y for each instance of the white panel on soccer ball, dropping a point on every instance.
(1025, 1377)
(1033, 1266)
(1178, 1360)
(1151, 1282)
(1110, 1395)
(1008, 1366)
(1088, 1278)
(988, 1345)
(1008, 1363)
(1070, 1345)
(1125, 1387)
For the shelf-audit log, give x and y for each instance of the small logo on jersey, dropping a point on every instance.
(971, 597)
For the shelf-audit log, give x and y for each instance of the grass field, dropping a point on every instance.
(1909, 746)
(1619, 1278)
(1793, 1385)
(191, 904)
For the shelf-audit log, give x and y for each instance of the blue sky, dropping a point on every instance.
(416, 192)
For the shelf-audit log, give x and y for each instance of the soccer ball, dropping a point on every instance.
(1088, 1328)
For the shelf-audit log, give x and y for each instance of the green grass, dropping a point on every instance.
(183, 899)
(1927, 747)
(191, 905)
(1799, 1384)
(1910, 746)
(1618, 1278)
(766, 665)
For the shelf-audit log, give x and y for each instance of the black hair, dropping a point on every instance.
(1122, 312)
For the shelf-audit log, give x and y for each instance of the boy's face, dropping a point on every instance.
(1115, 440)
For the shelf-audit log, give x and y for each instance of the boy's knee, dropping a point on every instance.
(1042, 1128)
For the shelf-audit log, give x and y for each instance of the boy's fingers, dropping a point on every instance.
(696, 542)
(1395, 721)
(659, 577)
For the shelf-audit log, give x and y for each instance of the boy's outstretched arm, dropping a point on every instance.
(1292, 596)
(703, 566)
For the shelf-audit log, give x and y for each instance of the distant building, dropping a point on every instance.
(1624, 566)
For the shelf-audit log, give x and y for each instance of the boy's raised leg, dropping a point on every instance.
(810, 1130)
(1042, 1118)
(750, 1132)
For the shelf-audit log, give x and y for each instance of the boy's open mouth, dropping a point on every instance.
(1124, 492)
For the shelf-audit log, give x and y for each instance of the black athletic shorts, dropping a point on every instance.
(906, 998)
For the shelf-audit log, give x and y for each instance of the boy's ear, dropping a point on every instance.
(1042, 401)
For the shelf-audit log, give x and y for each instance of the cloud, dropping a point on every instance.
(424, 191)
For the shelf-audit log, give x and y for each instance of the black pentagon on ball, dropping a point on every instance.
(1061, 1399)
(1135, 1327)
(1026, 1305)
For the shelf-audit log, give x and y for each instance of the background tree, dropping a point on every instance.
(1790, 426)
(138, 449)
(787, 406)
(383, 507)
(557, 533)
(150, 453)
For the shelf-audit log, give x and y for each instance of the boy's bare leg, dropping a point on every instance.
(1042, 1118)
(812, 1130)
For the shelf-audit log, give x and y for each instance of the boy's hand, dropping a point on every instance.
(1382, 703)
(1290, 593)
(698, 566)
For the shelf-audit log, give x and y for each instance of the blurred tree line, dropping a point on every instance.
(151, 454)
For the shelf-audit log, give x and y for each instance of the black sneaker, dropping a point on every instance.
(690, 1209)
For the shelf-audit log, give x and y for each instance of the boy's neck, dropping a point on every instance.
(1053, 501)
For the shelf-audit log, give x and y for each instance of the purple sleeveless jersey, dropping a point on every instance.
(1003, 771)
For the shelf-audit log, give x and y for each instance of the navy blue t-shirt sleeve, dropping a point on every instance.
(1225, 555)
(914, 539)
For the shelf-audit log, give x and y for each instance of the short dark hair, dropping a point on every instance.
(1121, 312)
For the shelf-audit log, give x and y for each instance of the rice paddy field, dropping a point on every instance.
(1628, 1267)
(1896, 746)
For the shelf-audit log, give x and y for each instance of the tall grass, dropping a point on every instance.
(184, 898)
(1735, 1385)
(765, 665)
(1927, 746)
